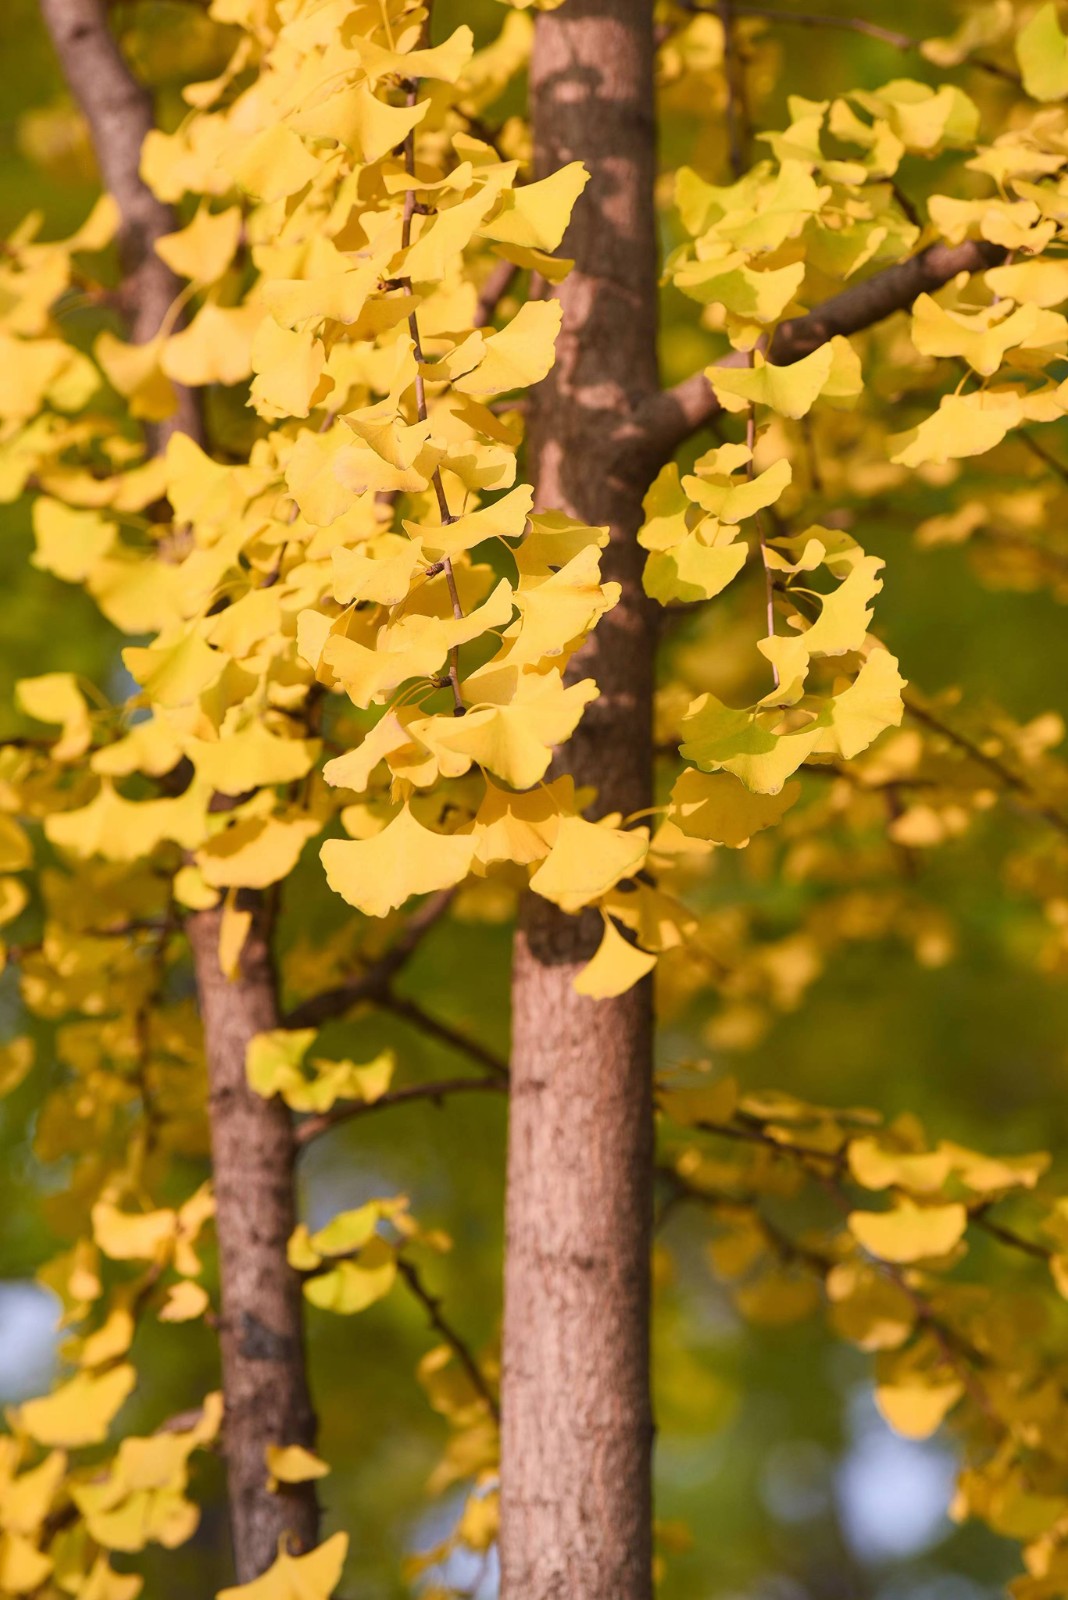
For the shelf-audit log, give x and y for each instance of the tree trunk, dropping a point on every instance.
(577, 1419)
(119, 112)
(265, 1386)
(264, 1370)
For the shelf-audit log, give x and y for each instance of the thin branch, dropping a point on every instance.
(493, 291)
(457, 1344)
(374, 983)
(436, 1093)
(871, 30)
(1005, 775)
(734, 74)
(769, 583)
(672, 416)
(1012, 1239)
(411, 1011)
(420, 401)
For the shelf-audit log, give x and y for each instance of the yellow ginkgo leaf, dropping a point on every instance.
(291, 1463)
(133, 1236)
(521, 827)
(693, 569)
(23, 1568)
(1038, 283)
(56, 697)
(833, 370)
(617, 966)
(70, 542)
(1042, 52)
(721, 737)
(251, 759)
(352, 1286)
(717, 806)
(504, 519)
(203, 249)
(712, 1102)
(28, 1497)
(185, 1301)
(175, 673)
(379, 874)
(963, 425)
(733, 499)
(274, 163)
(255, 852)
(79, 1412)
(311, 1577)
(379, 570)
(536, 215)
(520, 354)
(16, 852)
(909, 1232)
(917, 1409)
(103, 1583)
(514, 740)
(109, 1341)
(586, 860)
(288, 366)
(216, 347)
(16, 1059)
(757, 296)
(877, 1166)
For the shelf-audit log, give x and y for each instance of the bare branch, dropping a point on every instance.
(1005, 774)
(669, 418)
(445, 1033)
(457, 1344)
(375, 982)
(493, 291)
(871, 30)
(436, 1093)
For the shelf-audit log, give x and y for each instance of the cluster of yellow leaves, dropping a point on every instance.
(891, 1278)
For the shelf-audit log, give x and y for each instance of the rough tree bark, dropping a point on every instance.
(265, 1384)
(577, 1419)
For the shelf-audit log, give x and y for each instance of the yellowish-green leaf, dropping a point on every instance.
(1042, 51)
(909, 1232)
(586, 860)
(379, 874)
(78, 1412)
(616, 967)
(311, 1577)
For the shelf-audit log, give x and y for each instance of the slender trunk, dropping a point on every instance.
(265, 1386)
(119, 112)
(577, 1420)
(253, 1153)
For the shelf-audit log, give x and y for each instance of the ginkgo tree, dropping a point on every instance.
(344, 406)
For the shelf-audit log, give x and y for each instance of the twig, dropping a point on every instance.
(872, 30)
(734, 74)
(313, 1127)
(459, 1347)
(420, 401)
(493, 291)
(769, 586)
(1005, 774)
(373, 984)
(445, 1033)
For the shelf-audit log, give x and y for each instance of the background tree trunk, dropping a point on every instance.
(253, 1152)
(577, 1420)
(265, 1385)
